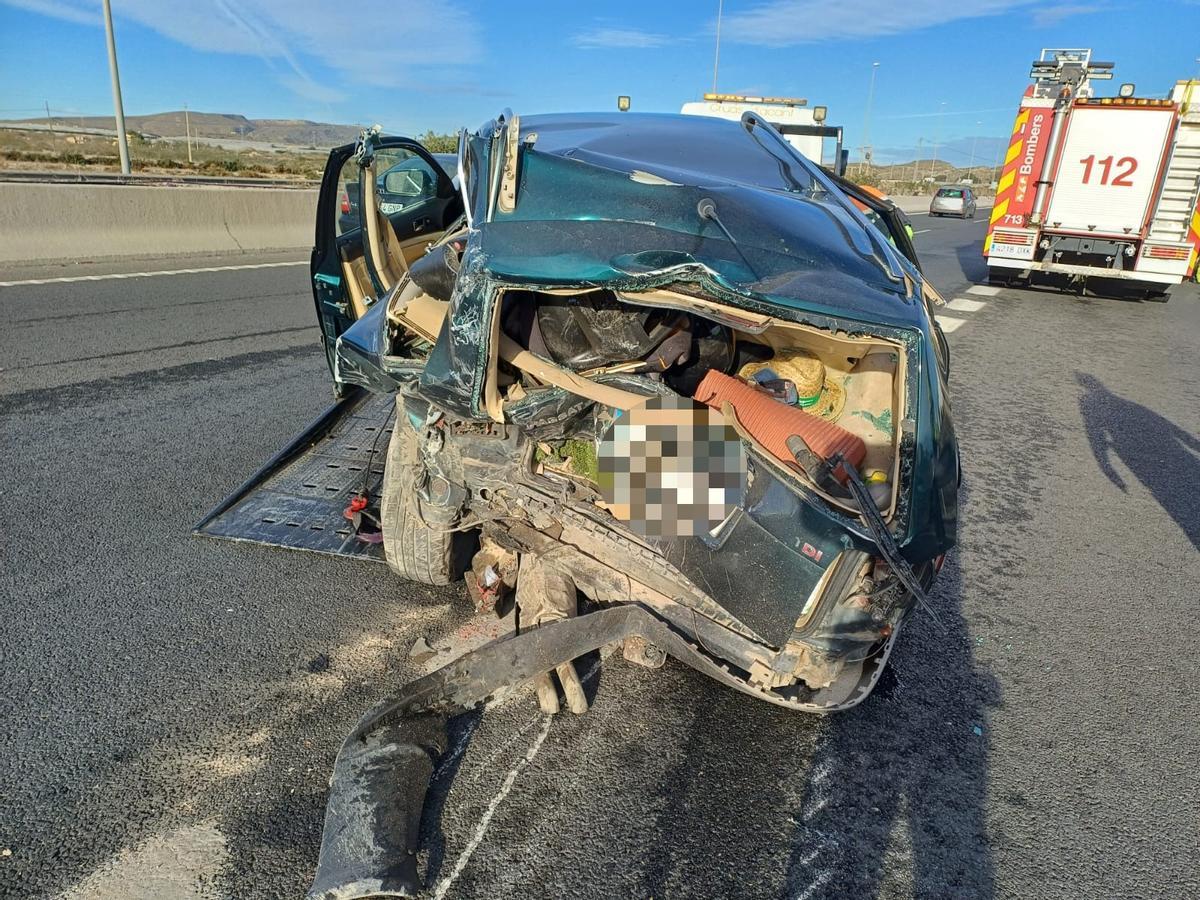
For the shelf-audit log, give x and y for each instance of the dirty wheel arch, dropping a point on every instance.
(414, 550)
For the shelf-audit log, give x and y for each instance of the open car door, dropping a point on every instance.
(383, 200)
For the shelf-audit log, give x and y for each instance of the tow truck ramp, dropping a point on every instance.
(297, 500)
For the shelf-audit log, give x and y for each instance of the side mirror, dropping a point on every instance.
(407, 183)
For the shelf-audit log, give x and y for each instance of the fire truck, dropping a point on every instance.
(1097, 192)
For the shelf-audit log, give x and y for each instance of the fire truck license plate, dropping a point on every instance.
(1012, 251)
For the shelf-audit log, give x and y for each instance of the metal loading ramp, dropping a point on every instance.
(298, 499)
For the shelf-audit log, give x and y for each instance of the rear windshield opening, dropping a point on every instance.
(949, 192)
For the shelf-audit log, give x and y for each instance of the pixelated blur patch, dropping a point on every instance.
(672, 468)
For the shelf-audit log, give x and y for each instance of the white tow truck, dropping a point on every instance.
(1098, 191)
(801, 125)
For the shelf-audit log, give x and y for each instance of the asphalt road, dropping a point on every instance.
(172, 705)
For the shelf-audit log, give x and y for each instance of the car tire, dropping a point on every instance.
(415, 551)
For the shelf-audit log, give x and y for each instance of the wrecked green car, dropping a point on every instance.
(490, 331)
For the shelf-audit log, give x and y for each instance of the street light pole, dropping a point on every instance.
(867, 118)
(936, 140)
(974, 142)
(717, 55)
(118, 109)
(187, 128)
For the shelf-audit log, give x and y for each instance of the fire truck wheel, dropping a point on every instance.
(1157, 296)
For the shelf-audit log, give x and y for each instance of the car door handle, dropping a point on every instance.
(421, 224)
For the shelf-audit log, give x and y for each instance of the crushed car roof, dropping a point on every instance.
(612, 200)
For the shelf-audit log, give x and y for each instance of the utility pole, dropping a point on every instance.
(936, 140)
(118, 109)
(917, 161)
(187, 129)
(974, 142)
(867, 118)
(717, 56)
(49, 121)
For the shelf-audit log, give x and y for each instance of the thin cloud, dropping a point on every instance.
(619, 39)
(304, 37)
(1044, 17)
(308, 89)
(67, 11)
(787, 23)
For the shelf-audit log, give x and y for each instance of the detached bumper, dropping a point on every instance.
(372, 821)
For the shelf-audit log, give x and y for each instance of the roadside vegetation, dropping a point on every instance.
(920, 177)
(41, 151)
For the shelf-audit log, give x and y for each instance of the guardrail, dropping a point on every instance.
(154, 180)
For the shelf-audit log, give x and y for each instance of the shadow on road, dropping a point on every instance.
(1160, 454)
(970, 258)
(887, 799)
(896, 794)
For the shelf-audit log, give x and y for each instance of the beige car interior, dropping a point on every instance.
(390, 255)
(423, 315)
(870, 372)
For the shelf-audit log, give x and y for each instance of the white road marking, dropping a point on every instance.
(814, 808)
(964, 304)
(821, 772)
(922, 231)
(949, 323)
(816, 885)
(115, 275)
(476, 839)
(983, 290)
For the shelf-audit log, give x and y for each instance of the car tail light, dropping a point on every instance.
(345, 203)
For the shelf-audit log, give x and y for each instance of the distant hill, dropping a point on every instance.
(295, 132)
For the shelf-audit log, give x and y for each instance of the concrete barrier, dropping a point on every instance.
(50, 222)
(57, 222)
(921, 204)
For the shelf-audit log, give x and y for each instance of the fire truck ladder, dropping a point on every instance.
(1182, 183)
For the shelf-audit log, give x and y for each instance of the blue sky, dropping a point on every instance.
(950, 70)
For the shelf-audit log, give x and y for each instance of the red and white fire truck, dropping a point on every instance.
(1098, 190)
